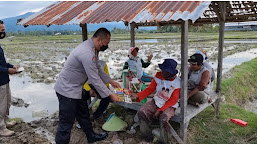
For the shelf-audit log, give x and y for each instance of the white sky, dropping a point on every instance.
(16, 8)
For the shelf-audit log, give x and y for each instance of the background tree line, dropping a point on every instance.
(162, 29)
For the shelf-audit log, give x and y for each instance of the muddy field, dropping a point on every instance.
(43, 59)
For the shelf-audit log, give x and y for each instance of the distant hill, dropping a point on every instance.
(10, 26)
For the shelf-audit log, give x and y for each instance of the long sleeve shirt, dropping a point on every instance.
(4, 76)
(144, 64)
(171, 98)
(82, 65)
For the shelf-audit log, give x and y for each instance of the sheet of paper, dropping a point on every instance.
(20, 69)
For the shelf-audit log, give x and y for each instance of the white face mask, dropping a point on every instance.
(132, 57)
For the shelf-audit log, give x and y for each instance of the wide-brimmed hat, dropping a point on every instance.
(169, 65)
(196, 58)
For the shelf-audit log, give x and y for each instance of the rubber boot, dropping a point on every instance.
(164, 134)
(93, 137)
(146, 131)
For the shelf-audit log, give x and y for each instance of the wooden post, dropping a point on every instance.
(132, 34)
(184, 78)
(222, 8)
(84, 31)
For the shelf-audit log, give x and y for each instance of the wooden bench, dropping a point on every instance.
(191, 111)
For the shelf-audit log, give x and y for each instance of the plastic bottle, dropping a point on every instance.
(239, 122)
(135, 85)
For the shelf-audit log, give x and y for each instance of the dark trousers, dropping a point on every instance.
(103, 103)
(69, 109)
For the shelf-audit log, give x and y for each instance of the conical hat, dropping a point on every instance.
(114, 123)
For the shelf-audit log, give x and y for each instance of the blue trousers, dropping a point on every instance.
(69, 109)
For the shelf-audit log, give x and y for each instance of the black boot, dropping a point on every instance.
(93, 137)
(146, 132)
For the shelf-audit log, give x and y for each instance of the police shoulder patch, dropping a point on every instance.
(94, 59)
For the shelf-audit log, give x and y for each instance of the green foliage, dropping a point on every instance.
(176, 28)
(18, 120)
(243, 83)
(40, 33)
(204, 28)
(205, 128)
(165, 29)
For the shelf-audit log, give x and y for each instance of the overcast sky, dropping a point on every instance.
(15, 8)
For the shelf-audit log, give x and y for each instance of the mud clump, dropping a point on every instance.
(24, 134)
(17, 102)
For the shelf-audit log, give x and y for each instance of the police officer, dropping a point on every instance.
(82, 65)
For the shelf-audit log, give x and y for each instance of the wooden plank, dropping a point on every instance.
(84, 31)
(176, 136)
(132, 34)
(184, 79)
(190, 110)
(134, 106)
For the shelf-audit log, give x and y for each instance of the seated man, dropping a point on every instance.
(135, 63)
(89, 91)
(198, 81)
(164, 102)
(206, 64)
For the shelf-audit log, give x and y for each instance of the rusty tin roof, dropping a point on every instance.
(80, 12)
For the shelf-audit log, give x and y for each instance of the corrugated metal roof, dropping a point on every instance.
(74, 12)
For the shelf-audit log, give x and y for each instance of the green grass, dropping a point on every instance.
(193, 36)
(18, 120)
(243, 83)
(239, 88)
(205, 128)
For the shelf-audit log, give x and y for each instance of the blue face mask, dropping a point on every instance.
(2, 35)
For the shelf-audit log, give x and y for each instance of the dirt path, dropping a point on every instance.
(43, 132)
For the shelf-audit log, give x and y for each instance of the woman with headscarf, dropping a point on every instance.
(136, 64)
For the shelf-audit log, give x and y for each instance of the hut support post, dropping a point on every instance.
(222, 8)
(132, 34)
(84, 31)
(184, 78)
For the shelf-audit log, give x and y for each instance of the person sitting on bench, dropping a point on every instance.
(164, 102)
(198, 81)
(135, 64)
(207, 65)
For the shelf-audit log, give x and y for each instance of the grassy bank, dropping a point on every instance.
(238, 88)
(205, 128)
(241, 85)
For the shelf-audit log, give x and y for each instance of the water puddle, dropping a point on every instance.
(247, 41)
(152, 40)
(235, 59)
(41, 98)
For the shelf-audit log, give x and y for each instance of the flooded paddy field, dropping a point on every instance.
(43, 58)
